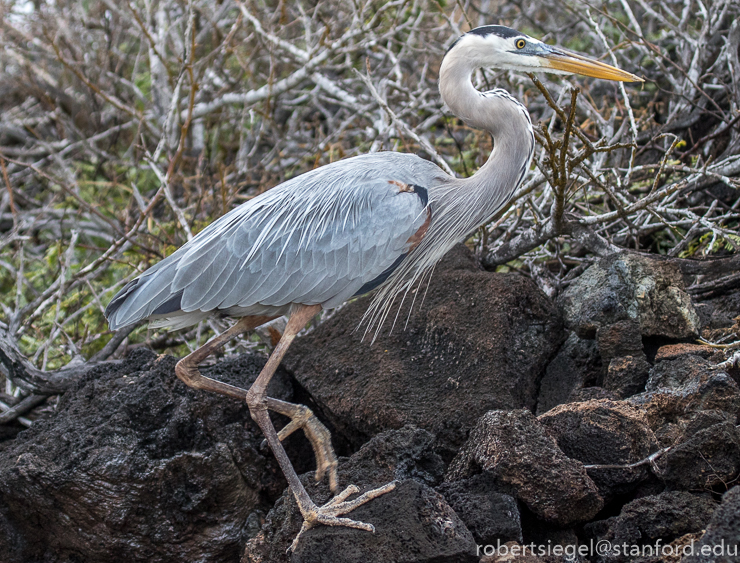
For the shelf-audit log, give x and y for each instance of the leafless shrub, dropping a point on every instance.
(128, 126)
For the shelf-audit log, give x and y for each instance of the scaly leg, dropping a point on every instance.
(187, 368)
(258, 405)
(319, 436)
(301, 417)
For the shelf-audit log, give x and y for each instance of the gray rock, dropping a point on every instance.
(625, 286)
(679, 389)
(706, 419)
(413, 523)
(676, 373)
(523, 460)
(474, 338)
(592, 394)
(576, 365)
(604, 433)
(407, 453)
(137, 466)
(664, 517)
(623, 338)
(722, 537)
(627, 375)
(489, 515)
(709, 458)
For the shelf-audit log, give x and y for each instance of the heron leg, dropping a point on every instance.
(187, 368)
(258, 403)
(301, 417)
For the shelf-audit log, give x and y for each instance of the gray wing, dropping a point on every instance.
(316, 239)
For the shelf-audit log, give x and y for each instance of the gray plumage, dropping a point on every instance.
(379, 219)
(315, 239)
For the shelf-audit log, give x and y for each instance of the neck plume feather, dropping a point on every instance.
(460, 205)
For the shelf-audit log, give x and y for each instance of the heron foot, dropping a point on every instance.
(328, 514)
(301, 417)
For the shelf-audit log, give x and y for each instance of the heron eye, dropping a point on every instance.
(520, 43)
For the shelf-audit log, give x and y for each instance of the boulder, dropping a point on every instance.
(525, 462)
(473, 338)
(137, 466)
(721, 311)
(604, 433)
(646, 520)
(678, 372)
(622, 338)
(576, 366)
(627, 375)
(673, 351)
(679, 389)
(489, 515)
(709, 458)
(413, 523)
(721, 541)
(627, 286)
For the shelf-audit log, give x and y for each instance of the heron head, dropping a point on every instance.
(497, 46)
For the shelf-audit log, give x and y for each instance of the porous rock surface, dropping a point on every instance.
(576, 366)
(522, 459)
(136, 466)
(627, 286)
(709, 458)
(679, 389)
(664, 517)
(490, 515)
(721, 541)
(604, 432)
(473, 338)
(413, 523)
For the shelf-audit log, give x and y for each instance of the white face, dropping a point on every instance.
(511, 53)
(507, 49)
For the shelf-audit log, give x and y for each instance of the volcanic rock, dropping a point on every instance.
(137, 466)
(624, 287)
(679, 389)
(525, 462)
(474, 338)
(673, 351)
(576, 365)
(413, 523)
(623, 338)
(604, 433)
(709, 458)
(664, 517)
(721, 541)
(489, 515)
(627, 375)
(592, 394)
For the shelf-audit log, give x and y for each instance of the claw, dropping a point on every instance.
(301, 417)
(328, 513)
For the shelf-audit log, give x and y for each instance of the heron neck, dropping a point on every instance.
(495, 112)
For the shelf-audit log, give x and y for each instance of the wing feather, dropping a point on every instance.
(317, 238)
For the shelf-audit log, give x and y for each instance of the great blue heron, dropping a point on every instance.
(374, 221)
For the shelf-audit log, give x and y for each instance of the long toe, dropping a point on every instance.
(326, 459)
(339, 506)
(329, 513)
(301, 417)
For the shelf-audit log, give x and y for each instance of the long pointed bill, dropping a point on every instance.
(557, 59)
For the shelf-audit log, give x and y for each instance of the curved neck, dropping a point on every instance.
(496, 112)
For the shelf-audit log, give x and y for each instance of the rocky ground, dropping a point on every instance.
(505, 418)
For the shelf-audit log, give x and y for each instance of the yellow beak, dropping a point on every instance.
(558, 59)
